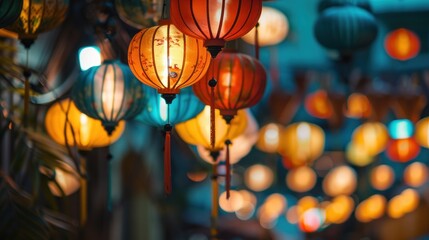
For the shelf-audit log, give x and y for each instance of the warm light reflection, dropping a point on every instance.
(274, 205)
(258, 177)
(402, 44)
(416, 174)
(382, 177)
(68, 180)
(403, 203)
(306, 203)
(340, 180)
(301, 179)
(234, 203)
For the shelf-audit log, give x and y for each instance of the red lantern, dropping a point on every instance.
(402, 44)
(215, 21)
(241, 82)
(318, 105)
(403, 150)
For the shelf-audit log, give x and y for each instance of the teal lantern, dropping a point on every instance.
(139, 14)
(324, 4)
(156, 112)
(345, 28)
(9, 11)
(108, 92)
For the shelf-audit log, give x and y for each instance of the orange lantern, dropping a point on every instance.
(341, 180)
(358, 106)
(67, 125)
(269, 137)
(339, 210)
(215, 21)
(382, 177)
(416, 174)
(258, 177)
(422, 132)
(241, 82)
(402, 44)
(371, 136)
(358, 156)
(301, 179)
(403, 150)
(317, 104)
(302, 143)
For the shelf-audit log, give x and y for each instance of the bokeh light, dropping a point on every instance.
(382, 177)
(301, 179)
(258, 177)
(341, 180)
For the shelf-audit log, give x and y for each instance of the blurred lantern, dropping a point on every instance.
(371, 208)
(246, 211)
(339, 210)
(382, 177)
(331, 31)
(108, 92)
(240, 146)
(402, 44)
(64, 180)
(215, 21)
(269, 137)
(358, 106)
(38, 16)
(292, 215)
(312, 220)
(422, 132)
(166, 59)
(273, 28)
(416, 174)
(302, 143)
(401, 129)
(68, 126)
(89, 57)
(197, 176)
(403, 203)
(306, 203)
(275, 204)
(9, 11)
(139, 13)
(258, 177)
(324, 4)
(301, 179)
(403, 150)
(371, 136)
(241, 82)
(358, 156)
(318, 105)
(341, 180)
(233, 203)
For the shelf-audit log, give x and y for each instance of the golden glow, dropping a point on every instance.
(301, 179)
(306, 203)
(416, 174)
(274, 205)
(234, 203)
(382, 177)
(404, 203)
(68, 180)
(258, 177)
(371, 208)
(422, 132)
(269, 138)
(358, 106)
(340, 180)
(358, 156)
(197, 176)
(371, 136)
(339, 210)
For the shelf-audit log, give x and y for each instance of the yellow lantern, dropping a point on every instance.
(65, 124)
(339, 210)
(269, 137)
(273, 28)
(258, 177)
(302, 143)
(358, 156)
(422, 132)
(301, 179)
(341, 180)
(371, 136)
(416, 174)
(371, 208)
(382, 177)
(196, 131)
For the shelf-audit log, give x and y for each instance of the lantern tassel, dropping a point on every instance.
(214, 213)
(109, 182)
(212, 84)
(257, 41)
(228, 169)
(83, 193)
(167, 159)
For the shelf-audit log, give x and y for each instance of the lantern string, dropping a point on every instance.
(83, 193)
(167, 158)
(27, 75)
(215, 193)
(228, 169)
(109, 178)
(212, 84)
(257, 41)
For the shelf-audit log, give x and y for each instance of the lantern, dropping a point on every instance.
(422, 132)
(401, 129)
(372, 137)
(9, 11)
(273, 28)
(231, 204)
(324, 4)
(402, 44)
(371, 208)
(345, 28)
(341, 180)
(215, 21)
(66, 125)
(164, 58)
(416, 174)
(382, 177)
(339, 210)
(403, 150)
(139, 13)
(38, 16)
(358, 106)
(302, 143)
(301, 179)
(318, 105)
(358, 156)
(108, 92)
(241, 82)
(258, 177)
(269, 137)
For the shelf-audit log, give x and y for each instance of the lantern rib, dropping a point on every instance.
(219, 95)
(208, 18)
(195, 21)
(112, 117)
(227, 34)
(168, 58)
(154, 62)
(102, 90)
(219, 30)
(253, 99)
(141, 62)
(179, 82)
(120, 113)
(231, 104)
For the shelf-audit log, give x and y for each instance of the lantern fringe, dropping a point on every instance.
(257, 41)
(228, 169)
(212, 83)
(83, 193)
(109, 181)
(167, 159)
(214, 213)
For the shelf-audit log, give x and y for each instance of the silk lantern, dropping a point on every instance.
(156, 112)
(38, 16)
(66, 125)
(345, 29)
(340, 180)
(241, 82)
(215, 21)
(108, 92)
(372, 137)
(269, 137)
(403, 150)
(9, 11)
(139, 13)
(402, 44)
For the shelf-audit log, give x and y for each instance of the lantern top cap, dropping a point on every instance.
(163, 22)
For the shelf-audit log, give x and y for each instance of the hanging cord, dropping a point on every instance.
(257, 41)
(109, 157)
(215, 193)
(228, 169)
(167, 158)
(27, 74)
(212, 84)
(83, 192)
